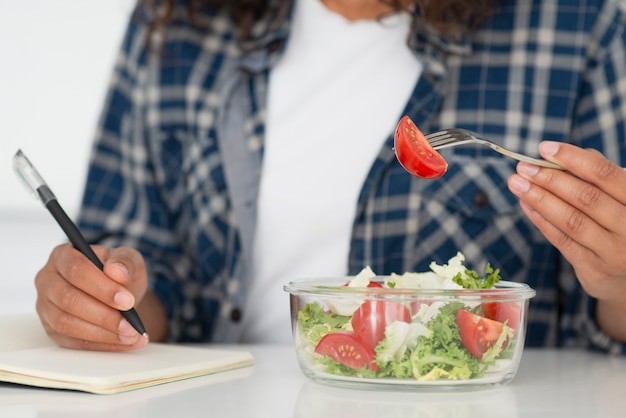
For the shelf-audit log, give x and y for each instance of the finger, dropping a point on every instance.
(74, 332)
(88, 337)
(581, 195)
(74, 307)
(126, 266)
(73, 302)
(60, 302)
(597, 276)
(81, 273)
(589, 165)
(569, 248)
(588, 246)
(570, 221)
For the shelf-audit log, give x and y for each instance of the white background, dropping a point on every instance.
(56, 57)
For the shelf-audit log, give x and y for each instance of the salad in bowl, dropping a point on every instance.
(448, 327)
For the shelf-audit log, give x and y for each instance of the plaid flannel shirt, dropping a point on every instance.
(176, 161)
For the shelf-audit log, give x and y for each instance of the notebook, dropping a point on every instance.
(50, 366)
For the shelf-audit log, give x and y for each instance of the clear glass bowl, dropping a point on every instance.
(408, 339)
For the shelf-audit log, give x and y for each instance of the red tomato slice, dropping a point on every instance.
(505, 312)
(414, 152)
(346, 348)
(477, 333)
(373, 316)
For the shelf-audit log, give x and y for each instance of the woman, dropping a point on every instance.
(244, 144)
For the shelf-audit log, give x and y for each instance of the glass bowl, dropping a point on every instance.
(388, 338)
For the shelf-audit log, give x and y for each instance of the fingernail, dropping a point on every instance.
(126, 329)
(548, 148)
(519, 184)
(121, 267)
(126, 333)
(124, 299)
(527, 169)
(128, 340)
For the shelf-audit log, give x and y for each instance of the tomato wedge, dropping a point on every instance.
(414, 152)
(505, 312)
(346, 348)
(478, 334)
(373, 316)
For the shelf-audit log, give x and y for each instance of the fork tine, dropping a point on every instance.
(440, 138)
(450, 137)
(437, 134)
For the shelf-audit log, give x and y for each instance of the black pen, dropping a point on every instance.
(40, 190)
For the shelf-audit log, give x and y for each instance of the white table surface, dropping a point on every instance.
(550, 383)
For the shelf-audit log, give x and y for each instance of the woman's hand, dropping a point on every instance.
(581, 211)
(79, 305)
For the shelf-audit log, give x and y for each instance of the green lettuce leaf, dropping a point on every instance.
(472, 280)
(315, 322)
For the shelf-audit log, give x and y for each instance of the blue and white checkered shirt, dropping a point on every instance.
(176, 162)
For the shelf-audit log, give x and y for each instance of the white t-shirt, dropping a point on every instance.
(334, 98)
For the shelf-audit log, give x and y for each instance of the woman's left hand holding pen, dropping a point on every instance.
(79, 305)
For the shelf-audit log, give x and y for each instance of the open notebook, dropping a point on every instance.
(49, 366)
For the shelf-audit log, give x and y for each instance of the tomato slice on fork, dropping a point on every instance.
(414, 152)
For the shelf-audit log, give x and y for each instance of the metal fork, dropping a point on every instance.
(452, 137)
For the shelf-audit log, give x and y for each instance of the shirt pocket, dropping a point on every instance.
(471, 210)
(474, 187)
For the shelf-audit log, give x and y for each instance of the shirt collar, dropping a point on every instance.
(267, 45)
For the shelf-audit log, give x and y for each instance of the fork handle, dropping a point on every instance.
(526, 158)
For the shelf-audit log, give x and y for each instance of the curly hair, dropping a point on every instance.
(445, 16)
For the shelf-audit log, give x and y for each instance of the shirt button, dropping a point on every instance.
(480, 199)
(235, 315)
(275, 45)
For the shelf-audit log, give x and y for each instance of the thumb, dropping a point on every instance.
(126, 267)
